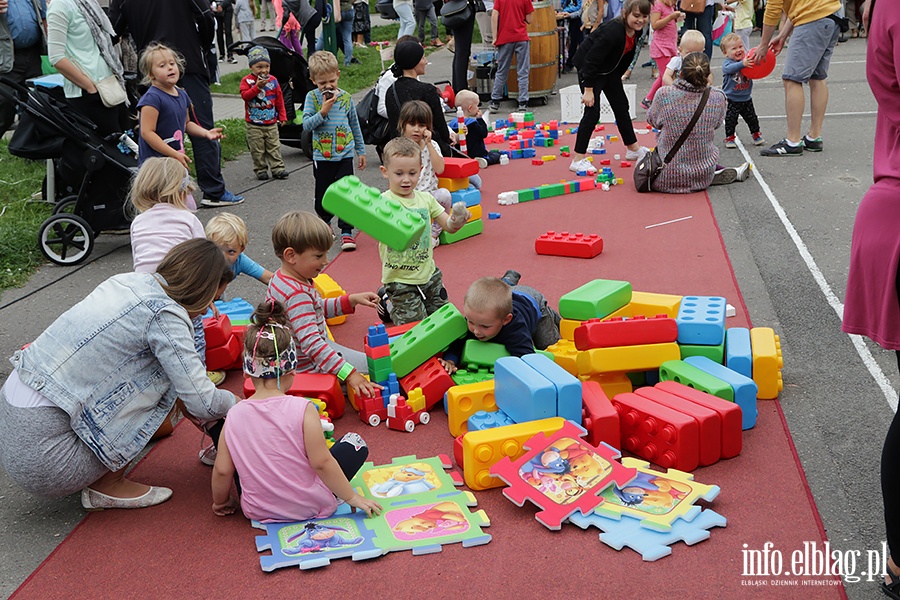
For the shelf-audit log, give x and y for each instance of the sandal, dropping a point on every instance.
(892, 589)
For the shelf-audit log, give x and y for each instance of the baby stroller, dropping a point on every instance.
(93, 174)
(292, 73)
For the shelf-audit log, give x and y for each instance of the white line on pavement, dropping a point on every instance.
(864, 353)
(865, 113)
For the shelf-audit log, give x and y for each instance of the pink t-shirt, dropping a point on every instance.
(265, 440)
(156, 231)
(664, 42)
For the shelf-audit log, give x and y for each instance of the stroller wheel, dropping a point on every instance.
(65, 206)
(66, 239)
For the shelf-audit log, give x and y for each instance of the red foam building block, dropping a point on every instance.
(596, 333)
(708, 421)
(657, 433)
(455, 168)
(586, 184)
(217, 331)
(598, 416)
(372, 410)
(377, 351)
(432, 378)
(527, 134)
(575, 245)
(625, 164)
(605, 161)
(729, 412)
(396, 330)
(323, 386)
(222, 358)
(536, 162)
(458, 450)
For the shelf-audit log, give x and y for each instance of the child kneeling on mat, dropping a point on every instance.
(275, 442)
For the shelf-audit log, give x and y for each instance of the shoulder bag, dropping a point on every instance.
(651, 164)
(456, 13)
(693, 6)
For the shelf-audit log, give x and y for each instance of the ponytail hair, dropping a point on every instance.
(695, 69)
(268, 315)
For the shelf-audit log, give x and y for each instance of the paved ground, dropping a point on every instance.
(787, 232)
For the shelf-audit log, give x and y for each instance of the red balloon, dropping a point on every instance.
(763, 69)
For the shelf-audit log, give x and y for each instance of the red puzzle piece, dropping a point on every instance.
(596, 333)
(561, 474)
(456, 168)
(729, 412)
(708, 421)
(598, 415)
(323, 386)
(658, 434)
(432, 378)
(575, 245)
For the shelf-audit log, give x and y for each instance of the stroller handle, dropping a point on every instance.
(11, 95)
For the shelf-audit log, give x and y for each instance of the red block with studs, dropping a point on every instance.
(575, 245)
(729, 412)
(708, 421)
(432, 377)
(609, 333)
(598, 416)
(657, 433)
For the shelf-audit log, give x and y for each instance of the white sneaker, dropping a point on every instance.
(482, 163)
(208, 455)
(636, 155)
(743, 172)
(724, 176)
(582, 165)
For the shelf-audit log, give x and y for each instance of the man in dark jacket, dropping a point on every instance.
(188, 26)
(22, 41)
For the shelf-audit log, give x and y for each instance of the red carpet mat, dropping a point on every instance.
(180, 549)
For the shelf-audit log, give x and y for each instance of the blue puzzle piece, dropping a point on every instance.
(651, 545)
(738, 352)
(745, 389)
(312, 544)
(521, 392)
(237, 309)
(568, 388)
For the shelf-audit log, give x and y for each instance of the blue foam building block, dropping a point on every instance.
(701, 320)
(237, 309)
(377, 336)
(489, 420)
(521, 392)
(568, 387)
(529, 153)
(745, 389)
(738, 353)
(471, 196)
(651, 545)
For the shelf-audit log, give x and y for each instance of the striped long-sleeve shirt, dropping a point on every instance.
(307, 311)
(336, 136)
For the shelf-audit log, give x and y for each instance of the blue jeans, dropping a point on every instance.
(207, 153)
(702, 22)
(407, 19)
(344, 30)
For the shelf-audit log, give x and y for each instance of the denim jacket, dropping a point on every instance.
(116, 362)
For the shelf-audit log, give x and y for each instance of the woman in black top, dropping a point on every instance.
(409, 63)
(602, 59)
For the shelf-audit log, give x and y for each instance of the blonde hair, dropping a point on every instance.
(301, 231)
(161, 180)
(227, 228)
(193, 272)
(466, 98)
(490, 293)
(694, 38)
(145, 63)
(400, 146)
(727, 40)
(322, 62)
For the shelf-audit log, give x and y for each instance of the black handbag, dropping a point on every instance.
(376, 129)
(479, 6)
(456, 13)
(651, 164)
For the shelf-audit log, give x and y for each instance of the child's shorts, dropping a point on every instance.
(415, 302)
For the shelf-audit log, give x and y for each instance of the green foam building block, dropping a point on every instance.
(432, 335)
(466, 376)
(713, 353)
(689, 375)
(379, 368)
(557, 189)
(594, 300)
(384, 219)
(482, 354)
(564, 149)
(526, 195)
(470, 229)
(545, 353)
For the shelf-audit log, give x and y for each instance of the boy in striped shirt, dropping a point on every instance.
(301, 241)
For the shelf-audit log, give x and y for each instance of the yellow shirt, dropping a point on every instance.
(799, 12)
(415, 265)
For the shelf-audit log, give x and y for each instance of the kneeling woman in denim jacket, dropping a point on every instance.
(87, 395)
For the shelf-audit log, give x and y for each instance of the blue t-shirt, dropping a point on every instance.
(735, 84)
(24, 26)
(170, 123)
(246, 265)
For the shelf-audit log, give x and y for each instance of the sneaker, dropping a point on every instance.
(262, 175)
(743, 172)
(208, 455)
(217, 377)
(782, 148)
(221, 60)
(724, 176)
(523, 106)
(758, 139)
(646, 102)
(437, 43)
(482, 162)
(227, 199)
(348, 242)
(435, 241)
(512, 277)
(582, 165)
(280, 175)
(636, 155)
(93, 500)
(730, 142)
(494, 106)
(813, 145)
(233, 60)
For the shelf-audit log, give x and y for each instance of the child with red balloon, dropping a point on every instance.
(738, 87)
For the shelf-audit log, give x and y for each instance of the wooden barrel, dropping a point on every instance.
(544, 53)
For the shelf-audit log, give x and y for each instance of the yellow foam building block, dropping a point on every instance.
(611, 383)
(455, 184)
(567, 328)
(642, 357)
(476, 213)
(415, 399)
(482, 449)
(463, 401)
(565, 354)
(329, 288)
(548, 157)
(647, 304)
(767, 362)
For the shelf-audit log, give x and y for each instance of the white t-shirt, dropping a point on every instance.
(674, 65)
(428, 181)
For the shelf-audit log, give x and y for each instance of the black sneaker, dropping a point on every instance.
(523, 106)
(813, 145)
(512, 277)
(494, 106)
(262, 175)
(782, 148)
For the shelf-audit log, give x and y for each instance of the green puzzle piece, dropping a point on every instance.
(594, 300)
(433, 334)
(405, 476)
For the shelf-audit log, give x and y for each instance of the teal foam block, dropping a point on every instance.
(738, 352)
(745, 389)
(568, 388)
